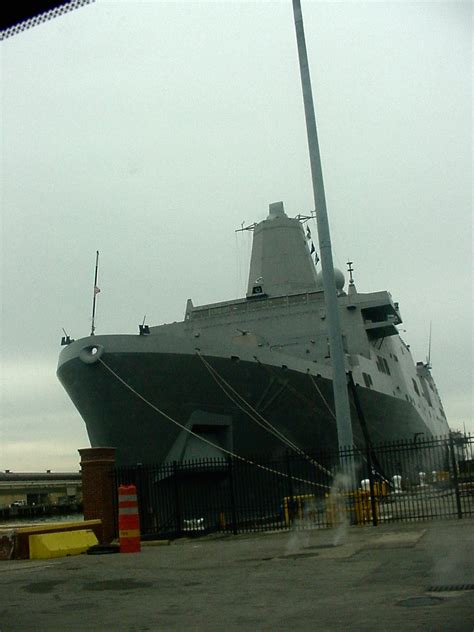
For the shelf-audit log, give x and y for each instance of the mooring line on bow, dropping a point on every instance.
(295, 392)
(261, 421)
(201, 438)
(356, 447)
(322, 396)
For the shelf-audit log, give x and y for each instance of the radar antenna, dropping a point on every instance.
(350, 269)
(428, 358)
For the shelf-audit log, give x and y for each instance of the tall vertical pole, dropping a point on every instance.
(96, 291)
(341, 397)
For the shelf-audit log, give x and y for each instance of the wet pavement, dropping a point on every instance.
(414, 576)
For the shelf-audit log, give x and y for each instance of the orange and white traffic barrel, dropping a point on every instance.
(129, 520)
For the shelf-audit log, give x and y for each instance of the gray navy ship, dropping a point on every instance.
(253, 375)
(264, 356)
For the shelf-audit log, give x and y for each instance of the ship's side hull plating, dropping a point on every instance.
(130, 417)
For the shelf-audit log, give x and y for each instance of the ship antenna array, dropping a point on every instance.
(243, 228)
(302, 218)
(305, 218)
(340, 388)
(350, 269)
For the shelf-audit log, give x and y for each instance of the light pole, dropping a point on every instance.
(341, 397)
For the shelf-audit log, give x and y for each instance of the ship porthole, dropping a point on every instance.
(91, 353)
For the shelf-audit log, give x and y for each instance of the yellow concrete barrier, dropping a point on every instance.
(20, 535)
(60, 544)
(49, 527)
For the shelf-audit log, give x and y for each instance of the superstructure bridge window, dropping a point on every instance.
(367, 379)
(382, 365)
(415, 386)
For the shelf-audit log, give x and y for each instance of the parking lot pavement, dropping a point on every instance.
(395, 577)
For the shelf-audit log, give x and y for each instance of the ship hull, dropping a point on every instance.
(134, 402)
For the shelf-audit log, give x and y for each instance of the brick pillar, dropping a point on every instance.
(98, 488)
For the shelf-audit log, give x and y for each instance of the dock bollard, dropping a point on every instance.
(129, 521)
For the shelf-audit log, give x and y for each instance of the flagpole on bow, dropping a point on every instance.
(96, 291)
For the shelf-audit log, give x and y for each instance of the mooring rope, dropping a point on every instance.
(361, 453)
(322, 396)
(333, 416)
(201, 438)
(258, 418)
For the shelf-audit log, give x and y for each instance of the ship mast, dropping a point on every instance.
(341, 397)
(96, 291)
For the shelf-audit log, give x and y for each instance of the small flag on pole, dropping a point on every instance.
(96, 290)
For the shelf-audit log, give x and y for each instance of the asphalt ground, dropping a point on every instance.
(354, 578)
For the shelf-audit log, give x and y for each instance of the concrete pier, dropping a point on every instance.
(410, 577)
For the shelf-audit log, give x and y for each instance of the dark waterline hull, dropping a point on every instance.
(182, 387)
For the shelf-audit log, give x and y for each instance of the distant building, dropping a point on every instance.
(39, 488)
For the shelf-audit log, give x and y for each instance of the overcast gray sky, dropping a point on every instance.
(151, 130)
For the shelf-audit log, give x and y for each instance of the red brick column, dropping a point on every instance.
(98, 488)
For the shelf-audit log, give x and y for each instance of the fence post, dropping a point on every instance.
(232, 494)
(373, 504)
(291, 505)
(176, 499)
(455, 475)
(141, 495)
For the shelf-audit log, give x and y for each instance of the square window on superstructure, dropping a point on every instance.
(367, 379)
